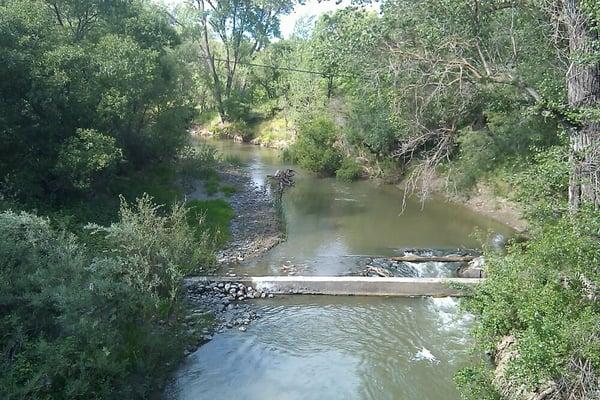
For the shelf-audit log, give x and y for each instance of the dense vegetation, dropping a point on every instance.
(501, 93)
(94, 112)
(96, 99)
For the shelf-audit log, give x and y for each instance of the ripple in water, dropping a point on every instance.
(333, 348)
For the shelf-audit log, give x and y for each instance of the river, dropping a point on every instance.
(313, 347)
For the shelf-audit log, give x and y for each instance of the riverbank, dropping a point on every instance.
(256, 227)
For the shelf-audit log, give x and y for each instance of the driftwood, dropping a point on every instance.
(283, 180)
(412, 258)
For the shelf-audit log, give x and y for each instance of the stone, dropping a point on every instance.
(474, 269)
(270, 295)
(242, 328)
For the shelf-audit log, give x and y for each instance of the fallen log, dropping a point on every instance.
(413, 258)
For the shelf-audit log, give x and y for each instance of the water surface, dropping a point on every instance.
(313, 347)
(328, 220)
(330, 348)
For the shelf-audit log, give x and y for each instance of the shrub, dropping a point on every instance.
(86, 157)
(349, 170)
(194, 160)
(159, 249)
(316, 148)
(542, 187)
(81, 326)
(545, 293)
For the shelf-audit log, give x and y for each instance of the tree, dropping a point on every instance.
(241, 27)
(583, 86)
(102, 67)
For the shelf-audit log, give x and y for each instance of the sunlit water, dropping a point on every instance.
(317, 347)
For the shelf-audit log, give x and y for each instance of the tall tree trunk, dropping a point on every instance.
(210, 60)
(583, 88)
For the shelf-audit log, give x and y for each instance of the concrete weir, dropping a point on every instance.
(348, 285)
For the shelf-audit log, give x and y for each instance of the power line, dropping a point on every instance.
(306, 71)
(320, 73)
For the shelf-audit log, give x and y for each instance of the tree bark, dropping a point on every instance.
(583, 89)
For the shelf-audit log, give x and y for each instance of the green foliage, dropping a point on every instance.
(507, 140)
(81, 83)
(316, 148)
(475, 383)
(79, 325)
(215, 215)
(197, 160)
(542, 188)
(349, 170)
(228, 190)
(543, 292)
(159, 248)
(85, 156)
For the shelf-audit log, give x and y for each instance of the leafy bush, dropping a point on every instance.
(316, 148)
(475, 383)
(77, 325)
(545, 293)
(158, 249)
(230, 130)
(508, 141)
(85, 157)
(194, 160)
(542, 187)
(349, 170)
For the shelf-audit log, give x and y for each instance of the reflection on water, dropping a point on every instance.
(333, 348)
(327, 220)
(340, 347)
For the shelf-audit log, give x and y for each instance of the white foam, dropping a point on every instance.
(425, 355)
(432, 269)
(449, 316)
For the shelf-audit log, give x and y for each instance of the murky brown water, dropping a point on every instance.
(340, 347)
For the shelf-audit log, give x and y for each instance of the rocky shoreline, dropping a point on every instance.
(256, 228)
